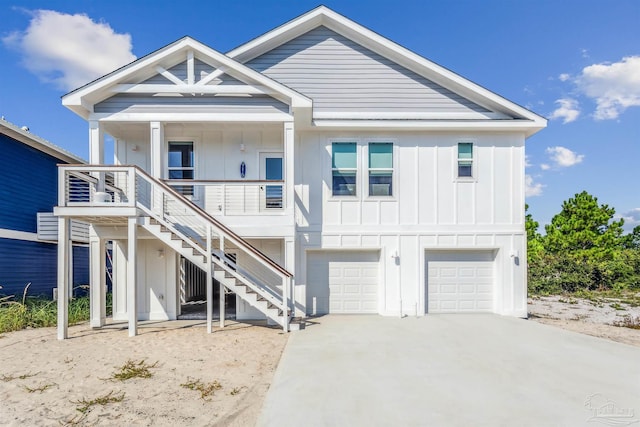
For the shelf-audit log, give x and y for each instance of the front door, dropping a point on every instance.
(271, 170)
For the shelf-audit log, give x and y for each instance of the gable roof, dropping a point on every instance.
(82, 99)
(24, 136)
(323, 16)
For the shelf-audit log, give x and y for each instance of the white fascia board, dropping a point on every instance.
(95, 92)
(387, 48)
(40, 144)
(409, 115)
(279, 35)
(169, 117)
(77, 97)
(523, 126)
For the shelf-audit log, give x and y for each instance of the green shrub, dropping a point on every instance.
(576, 271)
(38, 312)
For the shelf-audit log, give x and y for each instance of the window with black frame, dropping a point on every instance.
(181, 165)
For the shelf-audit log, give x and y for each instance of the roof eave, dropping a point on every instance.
(38, 143)
(81, 100)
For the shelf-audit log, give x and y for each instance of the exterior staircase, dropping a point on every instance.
(187, 229)
(225, 271)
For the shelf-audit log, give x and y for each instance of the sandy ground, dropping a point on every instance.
(42, 380)
(587, 317)
(242, 358)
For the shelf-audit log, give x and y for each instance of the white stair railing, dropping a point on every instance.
(86, 185)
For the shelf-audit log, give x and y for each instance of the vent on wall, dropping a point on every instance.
(48, 228)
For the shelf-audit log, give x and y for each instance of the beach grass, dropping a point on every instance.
(38, 312)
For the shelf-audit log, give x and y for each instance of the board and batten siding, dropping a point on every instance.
(29, 185)
(343, 76)
(23, 262)
(426, 191)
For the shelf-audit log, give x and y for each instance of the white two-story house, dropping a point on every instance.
(319, 168)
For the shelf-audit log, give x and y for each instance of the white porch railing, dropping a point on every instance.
(130, 186)
(246, 197)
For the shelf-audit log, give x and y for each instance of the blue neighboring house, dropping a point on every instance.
(28, 230)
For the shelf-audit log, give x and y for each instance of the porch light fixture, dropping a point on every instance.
(160, 253)
(242, 148)
(135, 148)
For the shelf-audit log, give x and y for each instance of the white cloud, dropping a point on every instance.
(563, 157)
(632, 217)
(527, 162)
(615, 87)
(545, 167)
(568, 110)
(564, 77)
(70, 50)
(532, 189)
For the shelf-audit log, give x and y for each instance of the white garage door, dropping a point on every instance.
(460, 282)
(342, 282)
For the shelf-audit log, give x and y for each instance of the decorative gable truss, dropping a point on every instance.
(185, 81)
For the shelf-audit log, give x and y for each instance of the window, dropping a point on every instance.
(380, 169)
(344, 166)
(181, 163)
(465, 159)
(272, 172)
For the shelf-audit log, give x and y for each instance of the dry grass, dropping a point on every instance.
(39, 389)
(206, 390)
(87, 404)
(7, 378)
(132, 369)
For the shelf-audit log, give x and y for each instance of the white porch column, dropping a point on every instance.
(132, 273)
(96, 143)
(290, 266)
(63, 277)
(96, 150)
(209, 282)
(289, 157)
(157, 142)
(222, 295)
(97, 283)
(70, 265)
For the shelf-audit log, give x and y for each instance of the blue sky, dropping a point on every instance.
(576, 62)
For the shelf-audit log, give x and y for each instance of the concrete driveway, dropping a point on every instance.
(451, 370)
